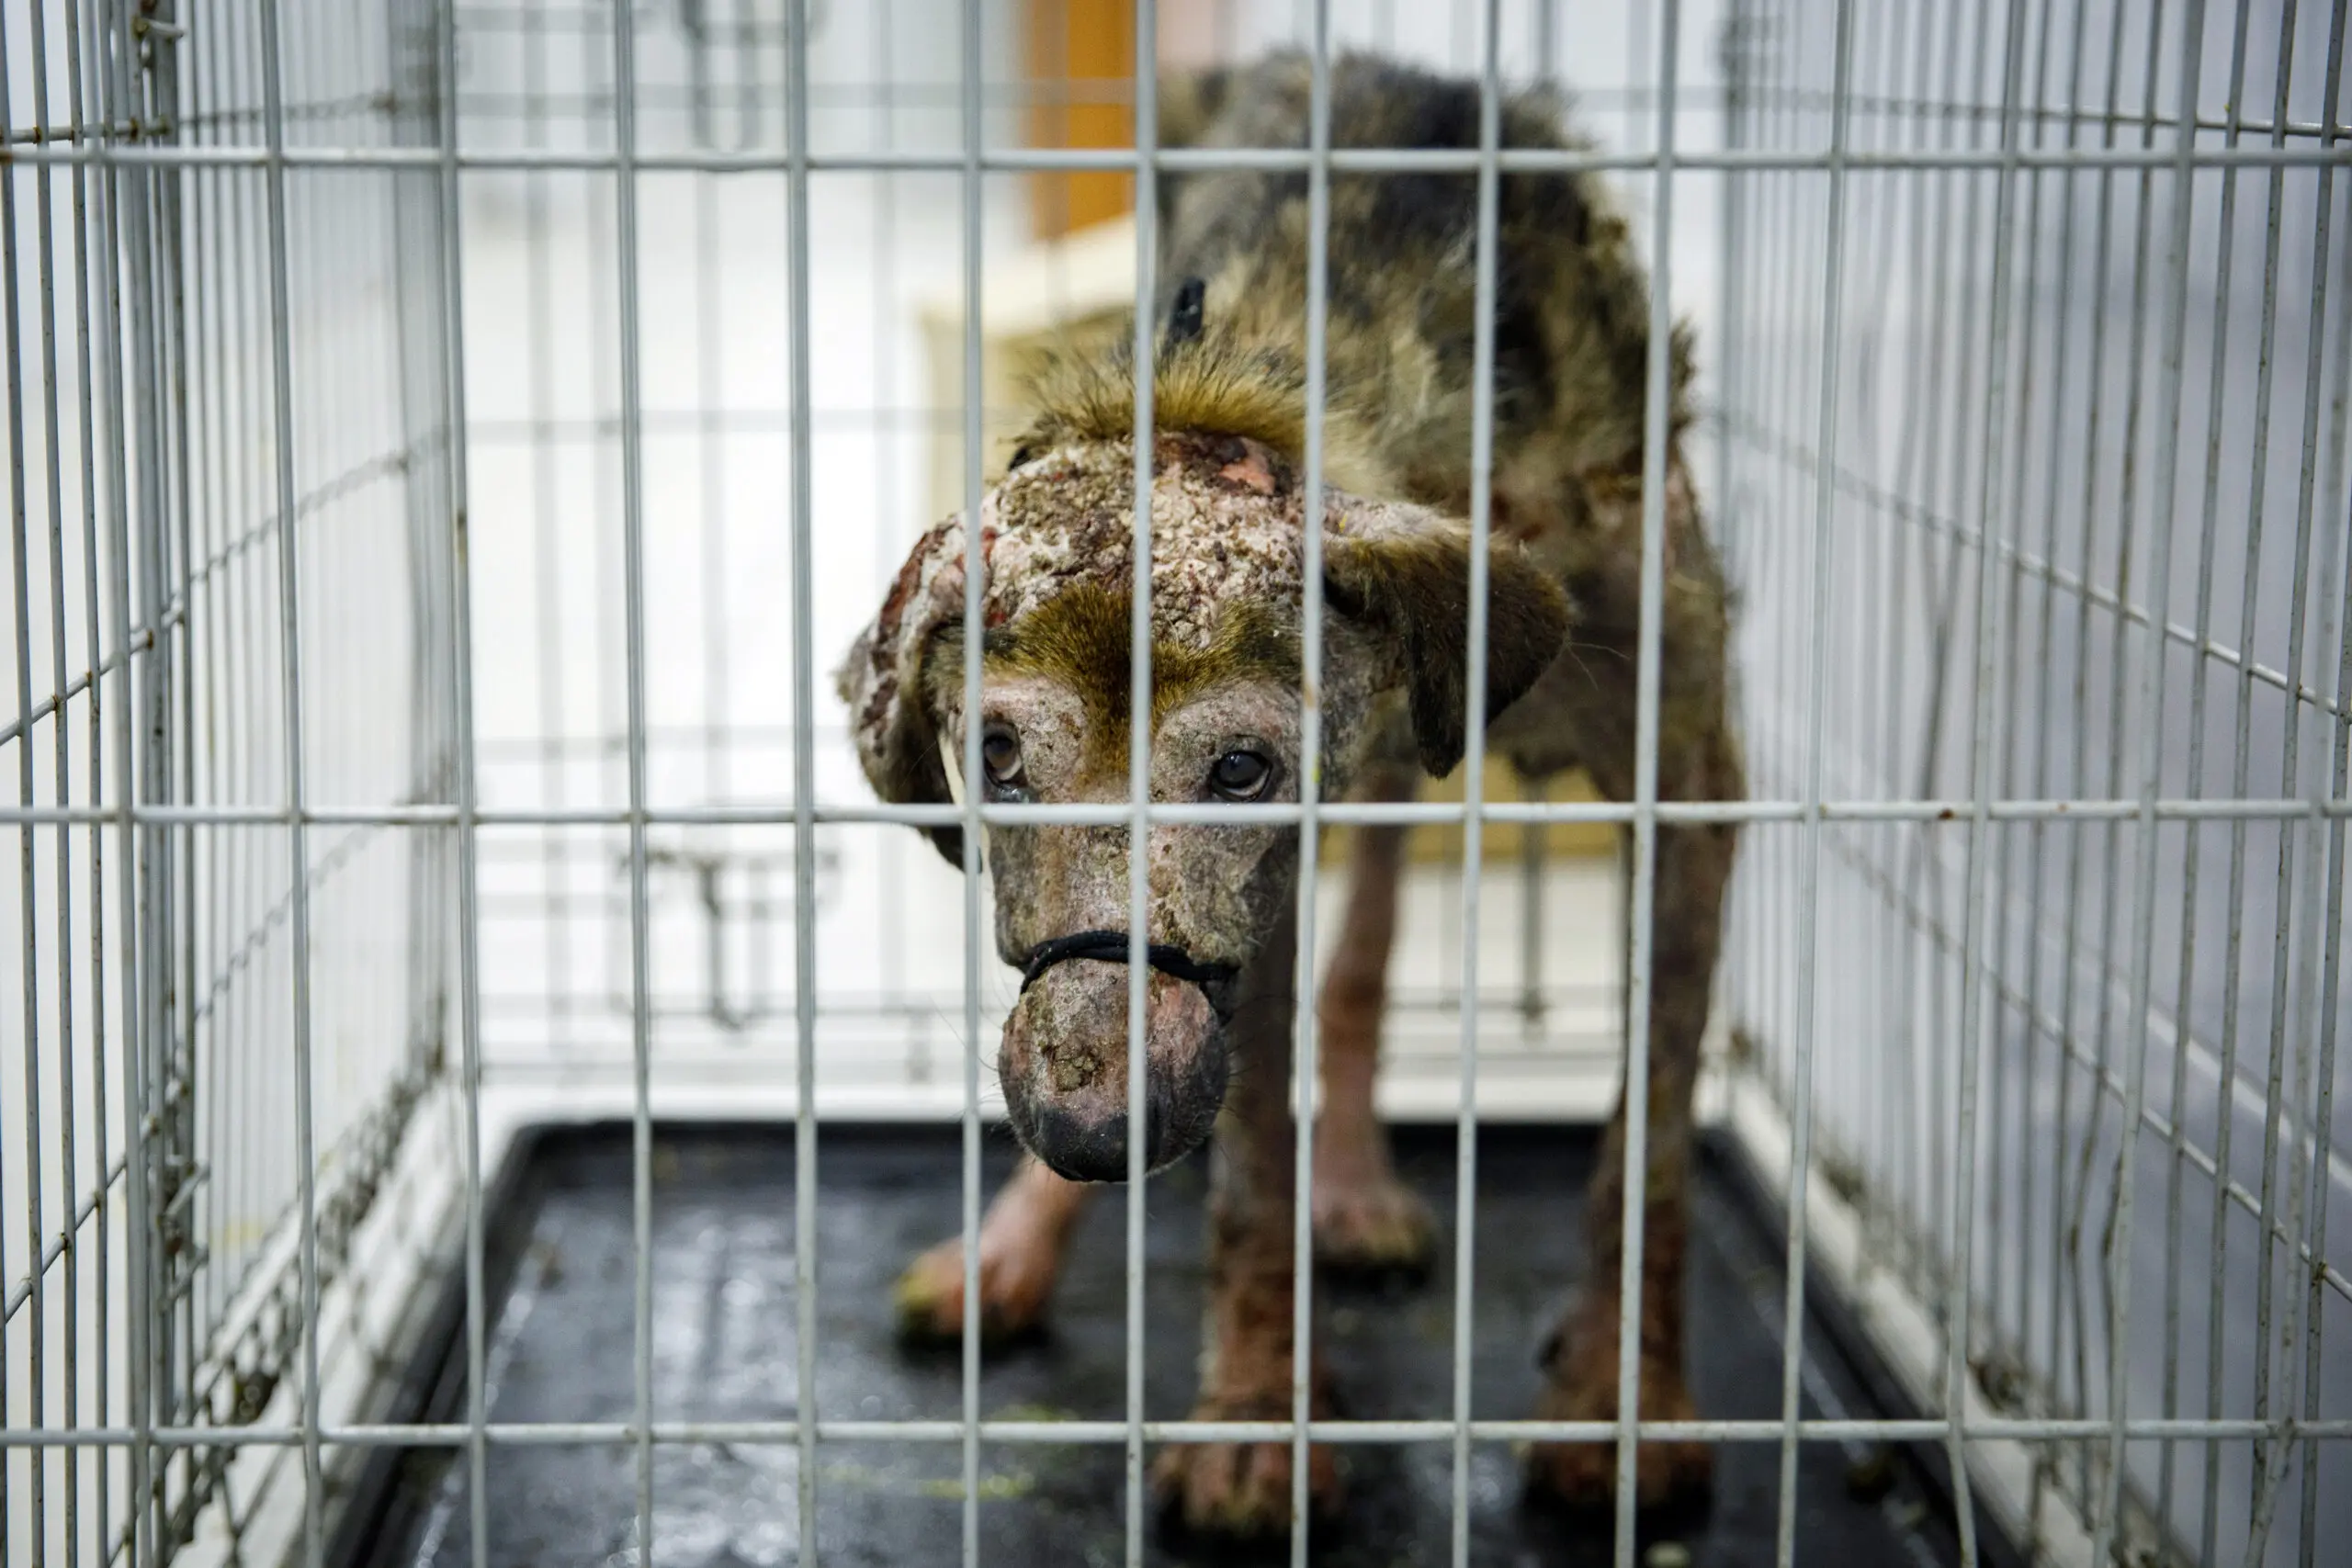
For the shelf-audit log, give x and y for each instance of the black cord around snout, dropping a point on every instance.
(1112, 947)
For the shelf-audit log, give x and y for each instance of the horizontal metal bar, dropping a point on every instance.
(1078, 814)
(778, 1432)
(1113, 92)
(1119, 92)
(1362, 160)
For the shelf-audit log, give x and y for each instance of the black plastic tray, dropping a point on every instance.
(561, 1264)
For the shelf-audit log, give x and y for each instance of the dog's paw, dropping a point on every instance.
(1373, 1226)
(1238, 1493)
(1581, 1385)
(1016, 1281)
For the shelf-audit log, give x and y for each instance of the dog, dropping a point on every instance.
(1571, 351)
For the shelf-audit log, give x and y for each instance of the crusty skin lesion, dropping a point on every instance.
(1229, 520)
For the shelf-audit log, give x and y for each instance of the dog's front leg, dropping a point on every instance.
(1366, 1221)
(1022, 1242)
(1244, 1489)
(1693, 865)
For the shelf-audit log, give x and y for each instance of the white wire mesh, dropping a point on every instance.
(2040, 369)
(154, 561)
(2077, 904)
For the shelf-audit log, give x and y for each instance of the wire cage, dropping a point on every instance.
(452, 442)
(2061, 513)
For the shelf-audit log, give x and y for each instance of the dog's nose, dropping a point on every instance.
(1085, 1148)
(1064, 1066)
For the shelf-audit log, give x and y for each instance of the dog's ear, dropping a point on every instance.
(883, 681)
(1409, 587)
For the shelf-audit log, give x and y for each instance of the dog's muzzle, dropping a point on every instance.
(1068, 1070)
(1115, 947)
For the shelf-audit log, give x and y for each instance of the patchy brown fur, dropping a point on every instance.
(1571, 349)
(1084, 639)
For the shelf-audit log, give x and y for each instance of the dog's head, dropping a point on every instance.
(1228, 549)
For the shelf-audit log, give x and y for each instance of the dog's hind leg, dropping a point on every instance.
(1027, 1226)
(1366, 1221)
(1698, 760)
(1581, 1361)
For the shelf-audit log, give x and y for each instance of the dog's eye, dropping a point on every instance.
(1241, 775)
(1000, 755)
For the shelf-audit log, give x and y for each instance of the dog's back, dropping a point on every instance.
(1571, 312)
(1572, 318)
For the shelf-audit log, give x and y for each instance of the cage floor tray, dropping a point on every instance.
(561, 1343)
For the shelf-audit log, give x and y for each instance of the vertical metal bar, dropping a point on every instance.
(1532, 845)
(125, 188)
(2280, 1113)
(1859, 564)
(1910, 1218)
(2110, 902)
(1817, 619)
(1955, 314)
(974, 96)
(2216, 400)
(632, 438)
(450, 294)
(54, 501)
(1906, 1208)
(2331, 944)
(1637, 54)
(1732, 318)
(710, 443)
(36, 1363)
(804, 783)
(1147, 208)
(297, 891)
(1895, 1221)
(2152, 694)
(96, 393)
(2046, 722)
(168, 724)
(2332, 933)
(1310, 773)
(2066, 1238)
(172, 103)
(2012, 1233)
(212, 360)
(888, 443)
(2007, 1163)
(255, 1096)
(539, 331)
(2243, 715)
(1656, 436)
(1798, 272)
(1487, 262)
(603, 376)
(1985, 721)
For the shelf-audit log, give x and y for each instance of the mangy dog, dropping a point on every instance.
(1228, 530)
